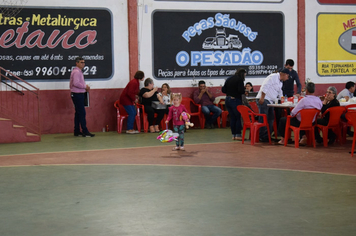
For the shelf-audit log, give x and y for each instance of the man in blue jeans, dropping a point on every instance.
(78, 87)
(270, 91)
(203, 97)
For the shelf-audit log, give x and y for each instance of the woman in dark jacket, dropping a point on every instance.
(234, 89)
(148, 95)
(329, 101)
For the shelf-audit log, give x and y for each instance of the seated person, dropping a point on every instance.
(203, 97)
(309, 102)
(149, 94)
(329, 101)
(347, 92)
(248, 88)
(166, 95)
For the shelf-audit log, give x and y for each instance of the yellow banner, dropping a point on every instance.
(335, 46)
(337, 68)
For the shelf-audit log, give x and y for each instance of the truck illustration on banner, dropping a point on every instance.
(220, 41)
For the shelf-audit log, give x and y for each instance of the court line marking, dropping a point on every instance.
(194, 166)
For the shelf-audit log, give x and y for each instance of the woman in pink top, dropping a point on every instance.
(178, 125)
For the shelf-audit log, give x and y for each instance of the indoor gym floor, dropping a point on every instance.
(120, 184)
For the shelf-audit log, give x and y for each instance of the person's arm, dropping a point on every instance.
(201, 93)
(159, 97)
(241, 87)
(184, 108)
(299, 85)
(320, 114)
(196, 96)
(150, 93)
(209, 94)
(262, 99)
(264, 87)
(325, 101)
(132, 91)
(170, 114)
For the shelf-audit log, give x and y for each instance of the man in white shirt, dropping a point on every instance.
(347, 92)
(270, 91)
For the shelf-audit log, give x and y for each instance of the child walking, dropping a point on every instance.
(178, 125)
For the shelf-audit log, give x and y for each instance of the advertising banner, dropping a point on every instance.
(214, 44)
(248, 1)
(336, 44)
(42, 43)
(338, 2)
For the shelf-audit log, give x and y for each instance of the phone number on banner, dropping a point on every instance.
(262, 69)
(51, 71)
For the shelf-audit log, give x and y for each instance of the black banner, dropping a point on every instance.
(42, 43)
(215, 44)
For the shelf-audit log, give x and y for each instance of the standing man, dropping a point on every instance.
(270, 91)
(288, 85)
(78, 88)
(203, 97)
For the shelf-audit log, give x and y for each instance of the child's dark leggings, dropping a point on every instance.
(180, 130)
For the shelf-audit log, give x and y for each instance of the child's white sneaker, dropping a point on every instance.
(176, 148)
(182, 149)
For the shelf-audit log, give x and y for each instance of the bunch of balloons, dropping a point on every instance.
(167, 136)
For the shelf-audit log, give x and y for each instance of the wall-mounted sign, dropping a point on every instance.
(42, 43)
(336, 44)
(215, 44)
(338, 2)
(249, 1)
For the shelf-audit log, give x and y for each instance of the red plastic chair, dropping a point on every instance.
(188, 102)
(122, 114)
(254, 107)
(334, 123)
(351, 117)
(145, 121)
(248, 117)
(307, 117)
(290, 99)
(346, 124)
(224, 113)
